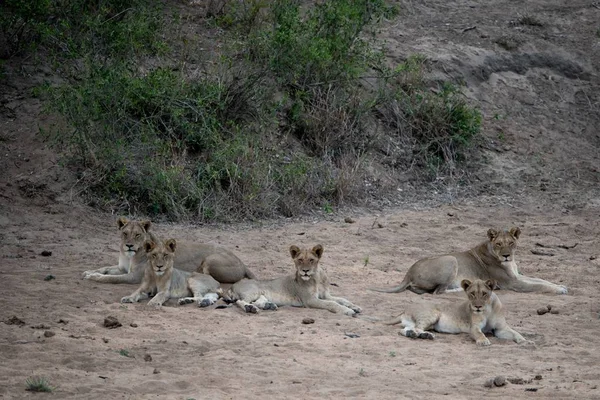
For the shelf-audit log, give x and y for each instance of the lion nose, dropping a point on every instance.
(305, 271)
(159, 266)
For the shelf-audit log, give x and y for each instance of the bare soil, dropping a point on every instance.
(540, 171)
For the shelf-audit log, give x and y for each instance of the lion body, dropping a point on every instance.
(308, 287)
(209, 259)
(493, 259)
(481, 313)
(167, 282)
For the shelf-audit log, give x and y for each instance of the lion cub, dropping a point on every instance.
(167, 282)
(308, 287)
(482, 312)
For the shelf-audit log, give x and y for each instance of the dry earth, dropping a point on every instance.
(540, 99)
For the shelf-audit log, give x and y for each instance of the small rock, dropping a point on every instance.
(593, 257)
(105, 340)
(307, 321)
(538, 378)
(133, 325)
(489, 383)
(499, 381)
(349, 220)
(46, 253)
(147, 358)
(554, 312)
(111, 323)
(403, 225)
(49, 277)
(40, 326)
(549, 307)
(14, 320)
(516, 381)
(542, 311)
(63, 321)
(156, 371)
(451, 214)
(352, 335)
(49, 333)
(531, 389)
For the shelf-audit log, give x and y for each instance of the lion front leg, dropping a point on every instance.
(329, 305)
(114, 270)
(479, 337)
(343, 302)
(140, 294)
(160, 298)
(132, 277)
(529, 284)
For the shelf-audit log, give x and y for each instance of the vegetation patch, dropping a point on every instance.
(280, 124)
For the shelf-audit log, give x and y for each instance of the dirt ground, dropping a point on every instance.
(539, 90)
(224, 353)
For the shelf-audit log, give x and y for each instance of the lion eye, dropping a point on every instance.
(511, 244)
(137, 236)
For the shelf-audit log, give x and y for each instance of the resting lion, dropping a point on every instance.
(492, 259)
(482, 312)
(167, 282)
(308, 287)
(210, 259)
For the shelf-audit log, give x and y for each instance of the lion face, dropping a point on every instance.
(503, 244)
(306, 261)
(160, 255)
(479, 293)
(133, 235)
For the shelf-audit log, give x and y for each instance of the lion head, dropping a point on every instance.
(306, 261)
(504, 243)
(479, 293)
(160, 255)
(133, 235)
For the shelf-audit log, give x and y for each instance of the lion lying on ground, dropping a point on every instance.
(167, 282)
(308, 287)
(493, 259)
(482, 312)
(209, 259)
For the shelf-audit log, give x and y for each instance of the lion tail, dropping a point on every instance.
(250, 274)
(397, 289)
(394, 321)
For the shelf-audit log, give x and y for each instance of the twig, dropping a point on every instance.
(470, 28)
(566, 246)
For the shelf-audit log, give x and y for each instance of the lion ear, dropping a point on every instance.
(171, 244)
(149, 245)
(121, 222)
(492, 234)
(146, 224)
(491, 284)
(294, 251)
(465, 284)
(515, 232)
(318, 250)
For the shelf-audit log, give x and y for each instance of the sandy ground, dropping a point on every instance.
(224, 353)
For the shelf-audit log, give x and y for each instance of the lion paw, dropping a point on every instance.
(426, 335)
(90, 275)
(127, 299)
(270, 306)
(205, 303)
(356, 309)
(350, 312)
(185, 300)
(562, 290)
(483, 342)
(251, 308)
(410, 333)
(154, 304)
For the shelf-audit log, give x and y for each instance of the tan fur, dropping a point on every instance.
(307, 287)
(482, 312)
(210, 259)
(167, 282)
(492, 259)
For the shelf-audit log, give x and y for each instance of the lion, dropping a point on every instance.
(167, 282)
(308, 287)
(482, 312)
(209, 259)
(492, 259)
